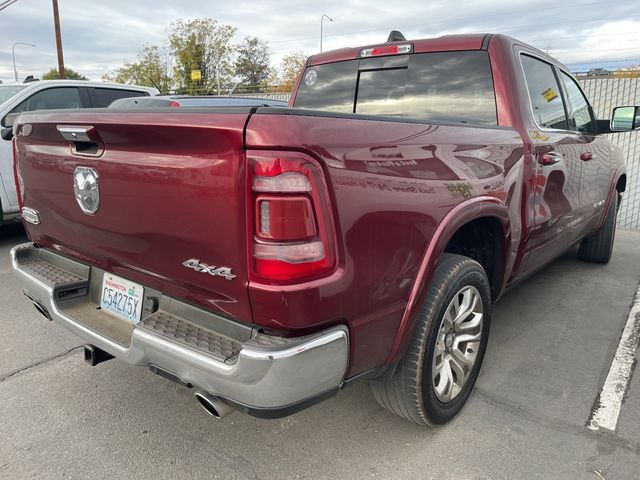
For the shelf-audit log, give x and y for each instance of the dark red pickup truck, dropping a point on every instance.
(272, 256)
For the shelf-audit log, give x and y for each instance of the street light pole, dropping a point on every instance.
(324, 15)
(13, 53)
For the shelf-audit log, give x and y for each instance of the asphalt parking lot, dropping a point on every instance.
(552, 343)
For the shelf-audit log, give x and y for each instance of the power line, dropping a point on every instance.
(581, 22)
(559, 37)
(603, 61)
(452, 19)
(493, 30)
(6, 4)
(593, 51)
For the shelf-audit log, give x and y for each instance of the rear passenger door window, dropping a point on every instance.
(580, 118)
(51, 98)
(102, 97)
(544, 93)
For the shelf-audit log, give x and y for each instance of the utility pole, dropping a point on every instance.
(56, 24)
(324, 15)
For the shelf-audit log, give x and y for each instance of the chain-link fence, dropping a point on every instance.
(606, 93)
(271, 96)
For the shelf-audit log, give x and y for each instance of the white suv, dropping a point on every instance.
(46, 95)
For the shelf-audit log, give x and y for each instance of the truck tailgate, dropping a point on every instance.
(171, 189)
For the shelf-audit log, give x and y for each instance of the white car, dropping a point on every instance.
(46, 95)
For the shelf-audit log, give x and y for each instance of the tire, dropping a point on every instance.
(598, 248)
(411, 391)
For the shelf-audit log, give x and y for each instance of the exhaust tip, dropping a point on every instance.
(214, 406)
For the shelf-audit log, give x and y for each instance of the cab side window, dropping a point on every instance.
(580, 118)
(102, 97)
(51, 98)
(544, 92)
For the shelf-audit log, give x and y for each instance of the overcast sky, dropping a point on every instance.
(101, 35)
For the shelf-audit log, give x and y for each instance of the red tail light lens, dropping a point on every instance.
(174, 104)
(386, 50)
(291, 223)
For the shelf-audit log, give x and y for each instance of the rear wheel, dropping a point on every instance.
(599, 247)
(434, 378)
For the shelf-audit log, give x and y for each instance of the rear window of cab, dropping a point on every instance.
(445, 86)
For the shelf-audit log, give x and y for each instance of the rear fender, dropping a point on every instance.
(621, 170)
(612, 191)
(462, 214)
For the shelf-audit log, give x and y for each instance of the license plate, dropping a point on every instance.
(122, 298)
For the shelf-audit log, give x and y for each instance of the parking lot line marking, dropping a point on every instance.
(605, 416)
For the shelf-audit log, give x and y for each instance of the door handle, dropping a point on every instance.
(545, 159)
(586, 156)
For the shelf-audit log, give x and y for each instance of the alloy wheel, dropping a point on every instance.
(457, 344)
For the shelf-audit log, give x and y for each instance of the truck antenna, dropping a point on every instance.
(396, 36)
(155, 85)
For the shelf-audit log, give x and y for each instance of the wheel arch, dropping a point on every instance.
(476, 211)
(618, 185)
(621, 183)
(482, 239)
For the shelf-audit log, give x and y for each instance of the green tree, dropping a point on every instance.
(290, 67)
(152, 68)
(68, 74)
(252, 64)
(205, 45)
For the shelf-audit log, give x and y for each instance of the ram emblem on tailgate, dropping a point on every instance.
(86, 189)
(224, 272)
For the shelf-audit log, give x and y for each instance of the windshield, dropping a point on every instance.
(8, 91)
(447, 86)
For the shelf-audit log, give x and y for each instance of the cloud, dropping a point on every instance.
(100, 36)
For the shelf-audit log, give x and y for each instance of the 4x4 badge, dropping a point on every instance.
(195, 264)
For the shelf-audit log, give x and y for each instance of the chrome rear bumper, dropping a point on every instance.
(230, 360)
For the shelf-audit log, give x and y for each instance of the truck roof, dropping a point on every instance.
(445, 43)
(80, 83)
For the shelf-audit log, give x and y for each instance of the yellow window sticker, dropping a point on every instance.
(549, 94)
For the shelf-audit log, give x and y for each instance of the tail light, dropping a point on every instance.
(291, 225)
(174, 104)
(386, 50)
(16, 174)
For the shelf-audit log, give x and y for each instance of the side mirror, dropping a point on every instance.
(7, 123)
(9, 120)
(6, 133)
(625, 119)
